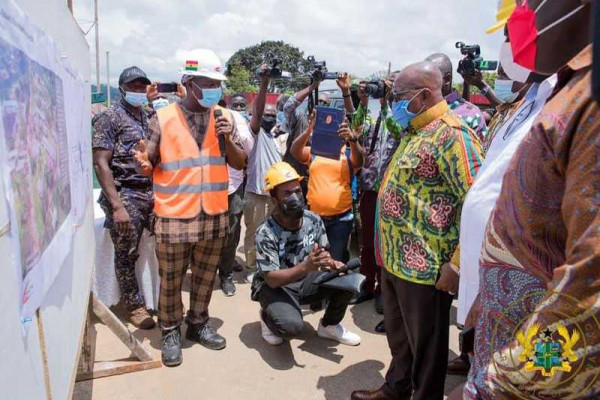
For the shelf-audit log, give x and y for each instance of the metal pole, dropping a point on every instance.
(70, 5)
(389, 68)
(98, 89)
(108, 78)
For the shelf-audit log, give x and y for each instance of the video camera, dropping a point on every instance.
(473, 60)
(319, 70)
(376, 89)
(273, 70)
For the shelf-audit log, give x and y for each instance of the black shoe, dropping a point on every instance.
(361, 297)
(206, 336)
(379, 304)
(171, 347)
(237, 267)
(228, 287)
(380, 328)
(317, 306)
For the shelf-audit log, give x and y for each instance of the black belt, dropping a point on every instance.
(334, 217)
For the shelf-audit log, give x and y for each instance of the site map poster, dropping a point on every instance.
(45, 155)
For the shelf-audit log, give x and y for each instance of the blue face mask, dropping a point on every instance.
(136, 99)
(503, 90)
(401, 113)
(280, 117)
(159, 103)
(210, 97)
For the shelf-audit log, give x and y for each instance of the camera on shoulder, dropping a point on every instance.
(473, 60)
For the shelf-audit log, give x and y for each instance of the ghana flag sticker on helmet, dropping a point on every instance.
(191, 65)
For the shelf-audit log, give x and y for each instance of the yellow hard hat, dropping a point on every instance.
(505, 10)
(279, 173)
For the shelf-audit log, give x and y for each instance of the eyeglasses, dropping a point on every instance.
(399, 96)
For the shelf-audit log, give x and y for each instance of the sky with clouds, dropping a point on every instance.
(359, 36)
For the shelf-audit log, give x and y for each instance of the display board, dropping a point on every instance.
(46, 212)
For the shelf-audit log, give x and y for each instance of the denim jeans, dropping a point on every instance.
(338, 234)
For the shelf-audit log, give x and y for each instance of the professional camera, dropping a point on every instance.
(473, 60)
(319, 70)
(376, 89)
(273, 70)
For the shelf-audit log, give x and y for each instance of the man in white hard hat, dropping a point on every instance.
(189, 147)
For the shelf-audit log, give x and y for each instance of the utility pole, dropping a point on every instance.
(98, 89)
(70, 5)
(108, 78)
(389, 68)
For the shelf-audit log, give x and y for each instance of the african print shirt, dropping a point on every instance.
(540, 262)
(421, 196)
(277, 248)
(469, 112)
(388, 139)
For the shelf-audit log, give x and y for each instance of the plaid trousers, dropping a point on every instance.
(203, 257)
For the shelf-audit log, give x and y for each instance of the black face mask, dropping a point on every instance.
(293, 206)
(268, 123)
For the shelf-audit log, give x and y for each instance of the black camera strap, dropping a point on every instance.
(375, 135)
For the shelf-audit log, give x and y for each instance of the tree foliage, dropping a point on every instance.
(251, 58)
(238, 79)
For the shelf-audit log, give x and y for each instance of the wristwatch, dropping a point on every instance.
(485, 90)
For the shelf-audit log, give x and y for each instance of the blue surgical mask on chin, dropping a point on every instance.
(503, 90)
(210, 97)
(136, 99)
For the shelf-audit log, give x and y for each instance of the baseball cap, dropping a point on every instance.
(131, 74)
(203, 62)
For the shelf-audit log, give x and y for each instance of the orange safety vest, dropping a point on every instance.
(188, 179)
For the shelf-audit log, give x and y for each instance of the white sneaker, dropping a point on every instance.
(339, 333)
(267, 335)
(250, 276)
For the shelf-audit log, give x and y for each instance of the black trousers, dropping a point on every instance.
(417, 323)
(281, 306)
(236, 209)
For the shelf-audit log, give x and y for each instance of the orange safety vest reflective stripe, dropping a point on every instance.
(188, 179)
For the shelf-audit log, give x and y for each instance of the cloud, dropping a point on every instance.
(351, 35)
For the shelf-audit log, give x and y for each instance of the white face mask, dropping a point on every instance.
(513, 70)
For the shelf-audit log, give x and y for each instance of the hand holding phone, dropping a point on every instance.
(167, 88)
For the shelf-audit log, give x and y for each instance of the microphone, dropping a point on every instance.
(218, 113)
(350, 266)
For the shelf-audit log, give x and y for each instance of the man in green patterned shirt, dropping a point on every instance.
(419, 207)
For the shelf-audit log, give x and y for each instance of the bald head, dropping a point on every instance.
(420, 75)
(444, 64)
(422, 83)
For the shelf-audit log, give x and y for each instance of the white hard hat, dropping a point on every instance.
(203, 62)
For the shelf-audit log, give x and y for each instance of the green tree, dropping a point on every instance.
(238, 79)
(251, 58)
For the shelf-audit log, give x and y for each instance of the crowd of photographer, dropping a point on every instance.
(448, 205)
